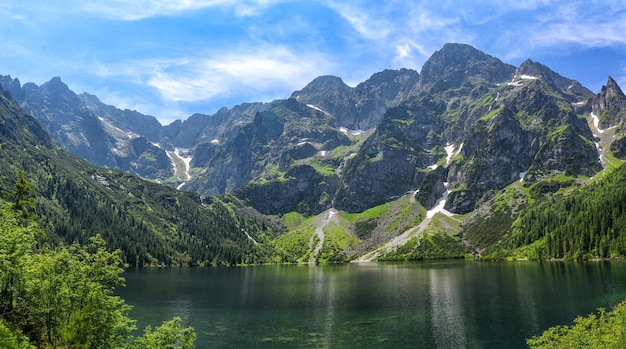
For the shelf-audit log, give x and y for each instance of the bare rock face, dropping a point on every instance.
(389, 162)
(361, 107)
(457, 64)
(467, 124)
(618, 147)
(610, 105)
(497, 150)
(99, 133)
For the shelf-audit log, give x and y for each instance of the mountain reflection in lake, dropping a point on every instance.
(436, 304)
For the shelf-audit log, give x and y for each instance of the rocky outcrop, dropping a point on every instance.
(304, 190)
(457, 64)
(610, 105)
(99, 133)
(362, 107)
(494, 154)
(220, 127)
(618, 147)
(467, 123)
(393, 160)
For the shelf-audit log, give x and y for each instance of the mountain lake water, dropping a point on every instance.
(434, 304)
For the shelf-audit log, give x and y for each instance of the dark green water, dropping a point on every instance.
(444, 304)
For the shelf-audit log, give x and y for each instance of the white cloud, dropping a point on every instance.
(371, 25)
(131, 10)
(582, 32)
(239, 73)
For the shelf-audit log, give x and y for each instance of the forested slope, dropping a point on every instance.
(589, 222)
(150, 223)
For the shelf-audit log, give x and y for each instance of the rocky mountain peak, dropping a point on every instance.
(535, 70)
(390, 75)
(455, 64)
(12, 85)
(55, 85)
(610, 104)
(530, 68)
(323, 83)
(612, 90)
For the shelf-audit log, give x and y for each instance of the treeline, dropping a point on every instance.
(587, 223)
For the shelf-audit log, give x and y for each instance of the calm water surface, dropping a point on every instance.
(443, 304)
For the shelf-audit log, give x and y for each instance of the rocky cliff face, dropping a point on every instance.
(467, 124)
(101, 134)
(486, 123)
(610, 105)
(362, 107)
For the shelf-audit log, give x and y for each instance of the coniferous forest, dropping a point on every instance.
(61, 296)
(151, 224)
(586, 223)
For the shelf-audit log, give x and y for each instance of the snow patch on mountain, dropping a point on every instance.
(182, 174)
(452, 152)
(350, 132)
(522, 175)
(528, 77)
(439, 206)
(596, 122)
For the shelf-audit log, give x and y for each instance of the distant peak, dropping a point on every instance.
(55, 82)
(327, 80)
(612, 88)
(322, 83)
(455, 63)
(457, 46)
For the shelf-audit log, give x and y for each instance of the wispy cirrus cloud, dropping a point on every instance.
(236, 73)
(130, 10)
(577, 24)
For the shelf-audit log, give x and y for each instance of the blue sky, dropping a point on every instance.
(173, 58)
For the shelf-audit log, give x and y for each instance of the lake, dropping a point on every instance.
(434, 304)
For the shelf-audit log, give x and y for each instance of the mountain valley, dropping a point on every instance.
(453, 161)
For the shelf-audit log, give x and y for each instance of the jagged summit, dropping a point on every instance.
(609, 106)
(573, 90)
(359, 107)
(467, 119)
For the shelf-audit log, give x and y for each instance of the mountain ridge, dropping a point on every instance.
(467, 135)
(468, 93)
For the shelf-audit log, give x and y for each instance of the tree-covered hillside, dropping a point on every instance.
(150, 223)
(587, 222)
(62, 296)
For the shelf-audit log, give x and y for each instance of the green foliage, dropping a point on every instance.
(293, 247)
(606, 330)
(428, 246)
(62, 296)
(486, 231)
(22, 197)
(490, 115)
(439, 240)
(167, 336)
(13, 339)
(338, 240)
(585, 223)
(151, 224)
(292, 219)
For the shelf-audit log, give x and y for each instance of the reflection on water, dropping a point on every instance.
(447, 315)
(439, 304)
